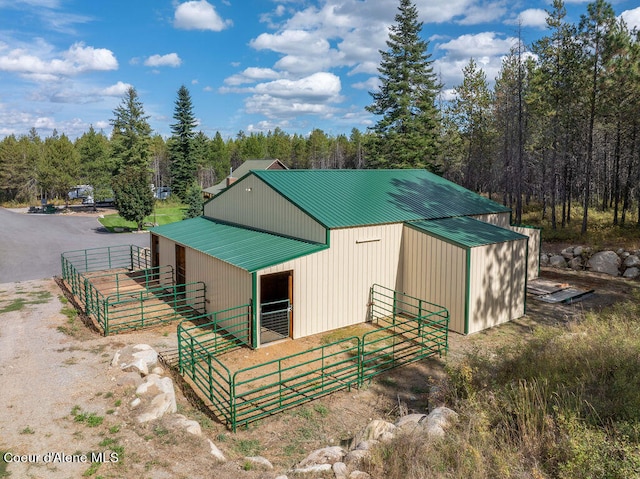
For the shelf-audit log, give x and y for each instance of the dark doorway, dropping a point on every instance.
(276, 306)
(155, 251)
(181, 270)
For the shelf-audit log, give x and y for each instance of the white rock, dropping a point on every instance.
(340, 470)
(215, 452)
(327, 455)
(632, 261)
(163, 397)
(544, 259)
(135, 403)
(316, 468)
(139, 358)
(192, 427)
(631, 273)
(356, 457)
(375, 429)
(158, 370)
(567, 253)
(578, 250)
(576, 263)
(410, 420)
(259, 461)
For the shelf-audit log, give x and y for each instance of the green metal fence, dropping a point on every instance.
(121, 292)
(151, 307)
(251, 393)
(76, 263)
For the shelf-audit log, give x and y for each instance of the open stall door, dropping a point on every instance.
(276, 306)
(181, 269)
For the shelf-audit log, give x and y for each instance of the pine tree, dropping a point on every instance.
(131, 133)
(406, 135)
(194, 201)
(183, 162)
(130, 142)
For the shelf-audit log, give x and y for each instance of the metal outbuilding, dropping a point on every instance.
(303, 247)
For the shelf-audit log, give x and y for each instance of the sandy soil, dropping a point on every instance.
(54, 372)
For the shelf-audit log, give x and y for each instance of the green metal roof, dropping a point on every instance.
(245, 248)
(343, 198)
(467, 232)
(241, 171)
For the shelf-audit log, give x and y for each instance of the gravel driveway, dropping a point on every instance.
(31, 244)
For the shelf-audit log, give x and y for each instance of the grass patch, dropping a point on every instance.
(90, 419)
(248, 447)
(562, 404)
(601, 231)
(3, 464)
(73, 325)
(34, 297)
(93, 468)
(27, 430)
(165, 213)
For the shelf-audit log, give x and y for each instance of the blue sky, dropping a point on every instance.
(250, 65)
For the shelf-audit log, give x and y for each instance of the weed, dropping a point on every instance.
(118, 403)
(114, 429)
(108, 442)
(248, 447)
(321, 409)
(93, 468)
(90, 419)
(247, 466)
(3, 465)
(27, 430)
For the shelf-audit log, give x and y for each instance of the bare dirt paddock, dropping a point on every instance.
(59, 394)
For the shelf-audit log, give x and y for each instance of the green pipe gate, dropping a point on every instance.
(409, 329)
(119, 289)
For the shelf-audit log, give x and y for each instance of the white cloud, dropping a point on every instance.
(77, 59)
(477, 45)
(251, 75)
(532, 17)
(476, 14)
(287, 98)
(118, 89)
(631, 17)
(199, 15)
(168, 60)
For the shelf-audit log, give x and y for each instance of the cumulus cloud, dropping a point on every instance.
(287, 98)
(77, 59)
(251, 75)
(478, 45)
(532, 17)
(118, 89)
(631, 17)
(168, 60)
(199, 15)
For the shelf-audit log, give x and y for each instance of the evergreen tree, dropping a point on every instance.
(194, 201)
(131, 133)
(471, 111)
(133, 195)
(130, 141)
(96, 166)
(406, 135)
(58, 166)
(183, 162)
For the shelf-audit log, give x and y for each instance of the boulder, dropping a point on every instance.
(607, 262)
(314, 468)
(544, 259)
(340, 470)
(259, 461)
(438, 420)
(140, 358)
(162, 395)
(410, 419)
(567, 253)
(632, 261)
(576, 263)
(558, 261)
(578, 250)
(189, 425)
(631, 273)
(327, 455)
(375, 430)
(356, 457)
(215, 452)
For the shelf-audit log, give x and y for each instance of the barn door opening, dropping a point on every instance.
(276, 306)
(181, 270)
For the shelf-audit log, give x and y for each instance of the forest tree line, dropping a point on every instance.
(559, 126)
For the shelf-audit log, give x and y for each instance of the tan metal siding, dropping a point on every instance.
(497, 284)
(497, 219)
(331, 288)
(252, 203)
(226, 285)
(533, 266)
(435, 270)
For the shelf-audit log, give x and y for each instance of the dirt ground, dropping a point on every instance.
(56, 382)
